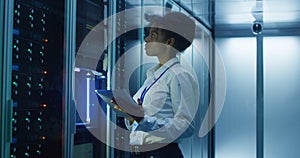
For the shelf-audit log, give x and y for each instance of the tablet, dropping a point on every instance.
(122, 98)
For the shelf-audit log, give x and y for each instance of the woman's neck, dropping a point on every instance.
(163, 59)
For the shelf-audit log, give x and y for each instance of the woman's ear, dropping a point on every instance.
(171, 41)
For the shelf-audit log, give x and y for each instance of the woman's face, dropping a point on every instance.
(155, 41)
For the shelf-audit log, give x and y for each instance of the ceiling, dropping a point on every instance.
(238, 13)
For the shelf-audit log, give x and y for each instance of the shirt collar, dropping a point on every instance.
(156, 70)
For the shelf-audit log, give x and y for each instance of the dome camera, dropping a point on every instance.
(257, 27)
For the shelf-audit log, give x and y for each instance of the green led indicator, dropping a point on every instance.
(27, 119)
(39, 119)
(16, 11)
(29, 50)
(41, 53)
(26, 154)
(29, 85)
(31, 17)
(15, 46)
(15, 84)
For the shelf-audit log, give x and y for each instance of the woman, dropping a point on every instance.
(169, 96)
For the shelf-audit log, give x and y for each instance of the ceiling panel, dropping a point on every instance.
(282, 11)
(239, 13)
(233, 11)
(244, 11)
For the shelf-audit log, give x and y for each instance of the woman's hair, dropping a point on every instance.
(176, 25)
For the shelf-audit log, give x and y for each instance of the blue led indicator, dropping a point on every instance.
(16, 32)
(15, 67)
(14, 140)
(15, 104)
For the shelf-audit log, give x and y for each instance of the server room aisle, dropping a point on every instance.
(54, 55)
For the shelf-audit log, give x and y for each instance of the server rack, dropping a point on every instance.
(36, 46)
(35, 97)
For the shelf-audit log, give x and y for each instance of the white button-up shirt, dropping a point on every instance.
(169, 105)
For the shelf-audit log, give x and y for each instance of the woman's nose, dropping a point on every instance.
(146, 39)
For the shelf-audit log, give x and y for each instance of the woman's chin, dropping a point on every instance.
(148, 53)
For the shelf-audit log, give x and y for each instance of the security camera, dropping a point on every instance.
(257, 27)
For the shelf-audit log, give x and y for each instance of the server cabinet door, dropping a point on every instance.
(37, 78)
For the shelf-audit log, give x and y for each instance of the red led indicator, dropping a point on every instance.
(45, 40)
(44, 105)
(45, 72)
(43, 137)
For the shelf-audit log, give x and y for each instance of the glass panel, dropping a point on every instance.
(282, 75)
(235, 131)
(91, 66)
(89, 15)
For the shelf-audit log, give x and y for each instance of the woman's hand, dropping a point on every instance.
(138, 114)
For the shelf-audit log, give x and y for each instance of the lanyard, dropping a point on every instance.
(147, 88)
